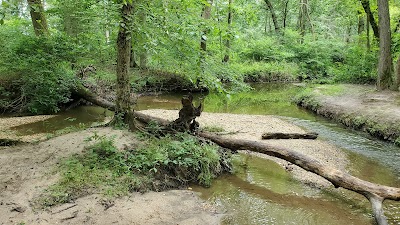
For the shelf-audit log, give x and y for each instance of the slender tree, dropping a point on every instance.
(370, 17)
(303, 12)
(39, 21)
(273, 15)
(285, 13)
(124, 110)
(385, 67)
(206, 14)
(228, 40)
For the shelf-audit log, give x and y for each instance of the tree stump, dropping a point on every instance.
(187, 116)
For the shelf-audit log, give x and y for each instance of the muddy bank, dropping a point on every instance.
(359, 107)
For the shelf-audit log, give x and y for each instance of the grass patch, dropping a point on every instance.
(154, 164)
(214, 129)
(331, 90)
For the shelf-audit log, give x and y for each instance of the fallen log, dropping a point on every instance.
(311, 135)
(84, 93)
(375, 193)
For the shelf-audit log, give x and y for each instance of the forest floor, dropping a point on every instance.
(27, 170)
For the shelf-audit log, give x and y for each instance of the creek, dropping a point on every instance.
(262, 192)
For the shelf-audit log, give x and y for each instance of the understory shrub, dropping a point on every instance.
(154, 164)
(40, 68)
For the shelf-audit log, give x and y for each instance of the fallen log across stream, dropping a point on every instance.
(375, 193)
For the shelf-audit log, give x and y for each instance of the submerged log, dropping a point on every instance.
(375, 193)
(311, 135)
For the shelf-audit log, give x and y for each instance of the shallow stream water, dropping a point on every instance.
(261, 192)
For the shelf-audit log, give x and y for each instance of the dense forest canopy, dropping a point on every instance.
(206, 44)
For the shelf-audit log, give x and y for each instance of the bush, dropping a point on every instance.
(358, 67)
(157, 164)
(40, 67)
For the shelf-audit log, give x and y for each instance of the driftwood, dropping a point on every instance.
(311, 135)
(375, 193)
(187, 116)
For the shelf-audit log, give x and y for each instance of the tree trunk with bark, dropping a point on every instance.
(228, 39)
(206, 14)
(123, 108)
(385, 66)
(371, 18)
(39, 21)
(285, 13)
(361, 24)
(273, 15)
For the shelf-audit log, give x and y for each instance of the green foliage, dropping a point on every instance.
(213, 129)
(307, 99)
(113, 172)
(40, 67)
(101, 167)
(182, 156)
(358, 66)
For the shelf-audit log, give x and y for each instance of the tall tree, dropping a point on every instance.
(370, 17)
(385, 67)
(273, 15)
(206, 14)
(304, 17)
(285, 13)
(124, 110)
(39, 21)
(228, 40)
(143, 51)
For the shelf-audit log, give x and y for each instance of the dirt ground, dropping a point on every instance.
(26, 171)
(361, 107)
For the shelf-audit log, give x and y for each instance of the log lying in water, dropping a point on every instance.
(375, 193)
(311, 135)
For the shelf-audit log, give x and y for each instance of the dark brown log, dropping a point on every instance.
(375, 193)
(84, 93)
(289, 136)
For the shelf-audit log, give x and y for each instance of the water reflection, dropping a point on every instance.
(273, 197)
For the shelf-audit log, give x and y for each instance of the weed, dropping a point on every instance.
(157, 164)
(213, 129)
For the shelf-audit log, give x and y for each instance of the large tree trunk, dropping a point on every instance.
(273, 15)
(385, 66)
(123, 108)
(371, 18)
(39, 21)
